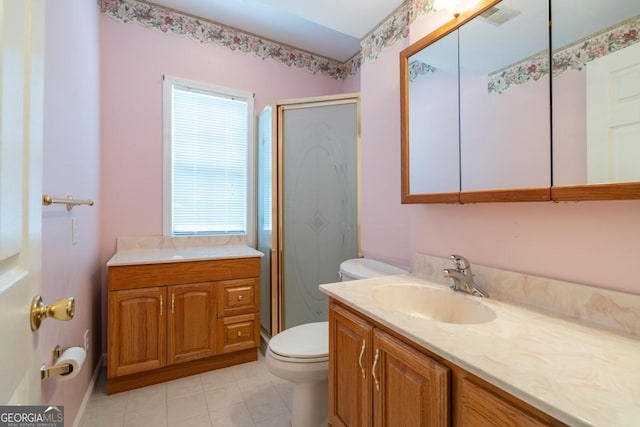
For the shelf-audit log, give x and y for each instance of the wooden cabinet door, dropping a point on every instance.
(350, 340)
(409, 388)
(192, 322)
(137, 331)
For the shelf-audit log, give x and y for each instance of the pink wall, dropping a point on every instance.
(591, 243)
(71, 166)
(570, 128)
(134, 60)
(513, 125)
(433, 133)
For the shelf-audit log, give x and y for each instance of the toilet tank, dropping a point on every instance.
(363, 268)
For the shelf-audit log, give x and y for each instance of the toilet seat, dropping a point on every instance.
(306, 343)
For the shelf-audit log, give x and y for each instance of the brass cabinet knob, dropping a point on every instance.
(63, 309)
(239, 333)
(240, 298)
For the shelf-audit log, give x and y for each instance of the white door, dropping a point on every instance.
(613, 117)
(21, 104)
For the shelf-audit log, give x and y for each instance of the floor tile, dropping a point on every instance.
(182, 408)
(150, 416)
(265, 403)
(222, 396)
(147, 397)
(240, 396)
(184, 387)
(233, 415)
(217, 378)
(197, 421)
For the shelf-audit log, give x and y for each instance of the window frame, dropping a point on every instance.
(169, 82)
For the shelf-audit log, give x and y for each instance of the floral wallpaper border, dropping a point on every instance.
(531, 69)
(166, 20)
(394, 28)
(203, 31)
(419, 68)
(573, 57)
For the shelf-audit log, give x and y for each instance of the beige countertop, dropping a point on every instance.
(178, 254)
(580, 374)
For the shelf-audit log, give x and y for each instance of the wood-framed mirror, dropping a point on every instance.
(596, 99)
(604, 30)
(444, 161)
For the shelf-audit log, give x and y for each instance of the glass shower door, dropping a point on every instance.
(319, 208)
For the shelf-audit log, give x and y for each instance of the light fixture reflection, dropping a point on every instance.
(455, 7)
(449, 5)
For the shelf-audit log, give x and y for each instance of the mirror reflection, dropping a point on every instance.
(505, 98)
(596, 91)
(433, 120)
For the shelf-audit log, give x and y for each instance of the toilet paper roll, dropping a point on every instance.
(74, 356)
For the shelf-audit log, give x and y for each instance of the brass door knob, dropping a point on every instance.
(63, 309)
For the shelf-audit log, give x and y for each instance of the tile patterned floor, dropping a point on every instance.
(246, 395)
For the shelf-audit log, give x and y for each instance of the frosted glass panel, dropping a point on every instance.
(320, 205)
(264, 214)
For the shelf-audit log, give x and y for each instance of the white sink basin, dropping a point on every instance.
(441, 305)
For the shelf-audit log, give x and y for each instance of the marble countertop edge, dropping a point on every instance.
(139, 256)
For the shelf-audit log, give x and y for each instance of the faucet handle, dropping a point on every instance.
(461, 262)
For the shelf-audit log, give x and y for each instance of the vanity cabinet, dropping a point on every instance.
(393, 384)
(378, 378)
(170, 320)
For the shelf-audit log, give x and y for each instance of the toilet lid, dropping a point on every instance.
(364, 268)
(308, 341)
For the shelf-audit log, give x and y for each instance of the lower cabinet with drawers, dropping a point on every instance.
(171, 320)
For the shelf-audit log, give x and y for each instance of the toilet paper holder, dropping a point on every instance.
(55, 370)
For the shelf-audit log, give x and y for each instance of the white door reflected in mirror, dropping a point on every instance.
(613, 122)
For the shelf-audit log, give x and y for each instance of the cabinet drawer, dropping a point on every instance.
(238, 297)
(238, 333)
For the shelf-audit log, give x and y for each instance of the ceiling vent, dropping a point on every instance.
(498, 15)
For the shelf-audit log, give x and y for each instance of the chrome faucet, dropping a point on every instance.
(462, 277)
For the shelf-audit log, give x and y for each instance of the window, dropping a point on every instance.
(208, 160)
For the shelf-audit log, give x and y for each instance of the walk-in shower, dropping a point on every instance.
(308, 170)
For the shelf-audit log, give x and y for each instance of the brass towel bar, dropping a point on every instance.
(69, 201)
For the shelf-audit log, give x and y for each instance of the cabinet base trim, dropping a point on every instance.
(168, 373)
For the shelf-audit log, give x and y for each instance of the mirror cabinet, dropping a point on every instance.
(496, 107)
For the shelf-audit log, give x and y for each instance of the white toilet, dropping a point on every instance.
(301, 354)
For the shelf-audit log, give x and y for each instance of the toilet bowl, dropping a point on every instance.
(301, 354)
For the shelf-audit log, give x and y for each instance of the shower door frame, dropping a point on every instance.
(277, 262)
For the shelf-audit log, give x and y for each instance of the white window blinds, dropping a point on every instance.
(209, 161)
